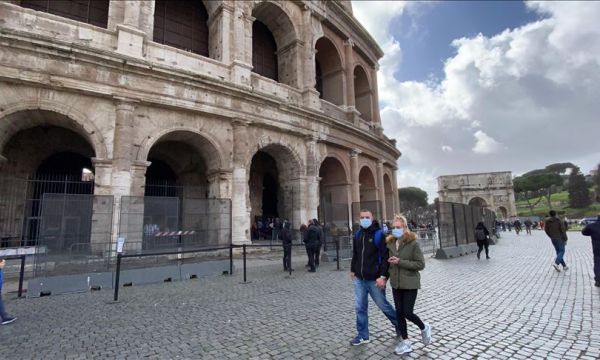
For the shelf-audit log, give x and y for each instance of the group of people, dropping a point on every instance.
(268, 228)
(379, 259)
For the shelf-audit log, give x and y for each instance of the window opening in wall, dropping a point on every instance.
(94, 12)
(181, 24)
(264, 51)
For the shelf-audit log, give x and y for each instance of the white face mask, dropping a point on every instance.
(397, 233)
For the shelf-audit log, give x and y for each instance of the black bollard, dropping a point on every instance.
(290, 261)
(230, 259)
(21, 275)
(117, 277)
(337, 252)
(244, 255)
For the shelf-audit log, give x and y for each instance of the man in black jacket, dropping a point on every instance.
(312, 239)
(369, 271)
(593, 230)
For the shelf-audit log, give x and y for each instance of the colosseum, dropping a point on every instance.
(144, 119)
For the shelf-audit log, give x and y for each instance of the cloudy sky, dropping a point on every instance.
(487, 86)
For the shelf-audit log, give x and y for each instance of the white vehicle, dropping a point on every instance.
(587, 220)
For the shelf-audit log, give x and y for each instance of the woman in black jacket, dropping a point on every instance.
(481, 235)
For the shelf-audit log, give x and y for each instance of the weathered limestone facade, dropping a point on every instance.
(125, 102)
(491, 190)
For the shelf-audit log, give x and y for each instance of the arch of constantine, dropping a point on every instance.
(488, 190)
(270, 107)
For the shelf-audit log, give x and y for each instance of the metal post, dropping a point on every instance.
(244, 255)
(21, 275)
(337, 252)
(454, 223)
(118, 274)
(465, 207)
(439, 223)
(230, 259)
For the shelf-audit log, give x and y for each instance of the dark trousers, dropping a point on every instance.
(317, 254)
(404, 301)
(312, 251)
(481, 244)
(287, 256)
(3, 314)
(596, 250)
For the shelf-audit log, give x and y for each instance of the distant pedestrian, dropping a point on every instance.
(593, 230)
(6, 319)
(517, 225)
(319, 243)
(528, 225)
(482, 235)
(406, 260)
(312, 240)
(556, 231)
(369, 273)
(286, 240)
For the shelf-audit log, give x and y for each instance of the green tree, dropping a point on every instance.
(579, 194)
(538, 184)
(412, 198)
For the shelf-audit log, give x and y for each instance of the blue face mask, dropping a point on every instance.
(397, 233)
(365, 223)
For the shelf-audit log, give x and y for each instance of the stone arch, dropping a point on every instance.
(212, 147)
(329, 73)
(334, 193)
(57, 115)
(368, 184)
(363, 94)
(279, 23)
(478, 201)
(274, 183)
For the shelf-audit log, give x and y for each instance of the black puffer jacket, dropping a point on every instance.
(555, 228)
(366, 256)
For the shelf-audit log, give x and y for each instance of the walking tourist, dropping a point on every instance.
(319, 243)
(312, 239)
(528, 225)
(518, 227)
(4, 317)
(593, 230)
(482, 237)
(556, 231)
(369, 272)
(286, 239)
(406, 260)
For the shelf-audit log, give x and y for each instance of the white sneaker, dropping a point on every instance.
(556, 267)
(426, 334)
(565, 268)
(403, 348)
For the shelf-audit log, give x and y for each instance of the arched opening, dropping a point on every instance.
(329, 72)
(182, 24)
(274, 47)
(273, 188)
(47, 184)
(368, 195)
(264, 51)
(94, 12)
(362, 94)
(334, 190)
(180, 207)
(389, 197)
(503, 212)
(477, 201)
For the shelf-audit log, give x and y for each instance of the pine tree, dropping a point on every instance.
(579, 194)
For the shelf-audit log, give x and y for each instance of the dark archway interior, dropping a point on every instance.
(160, 179)
(269, 197)
(318, 78)
(63, 173)
(264, 51)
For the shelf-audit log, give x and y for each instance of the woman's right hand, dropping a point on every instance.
(393, 260)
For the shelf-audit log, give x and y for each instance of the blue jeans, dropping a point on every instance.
(559, 246)
(363, 288)
(3, 314)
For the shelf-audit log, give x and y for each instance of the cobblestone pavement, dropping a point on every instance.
(514, 306)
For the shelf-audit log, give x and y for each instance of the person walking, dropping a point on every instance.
(4, 317)
(556, 231)
(318, 243)
(593, 230)
(482, 237)
(528, 225)
(406, 260)
(286, 240)
(312, 240)
(369, 273)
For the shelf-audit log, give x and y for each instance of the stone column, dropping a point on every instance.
(381, 188)
(241, 64)
(102, 176)
(349, 49)
(240, 211)
(102, 218)
(130, 38)
(375, 102)
(312, 172)
(395, 188)
(309, 93)
(354, 170)
(138, 177)
(219, 25)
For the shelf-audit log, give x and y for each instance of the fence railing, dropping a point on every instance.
(457, 222)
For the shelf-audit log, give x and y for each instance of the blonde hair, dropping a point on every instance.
(398, 217)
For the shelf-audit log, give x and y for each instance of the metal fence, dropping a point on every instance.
(160, 223)
(456, 223)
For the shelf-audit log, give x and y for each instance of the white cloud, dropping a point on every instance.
(485, 144)
(518, 100)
